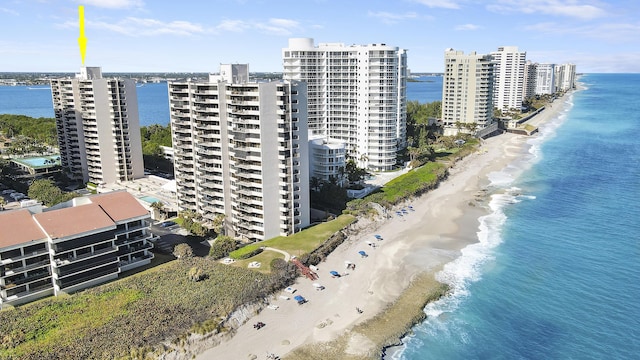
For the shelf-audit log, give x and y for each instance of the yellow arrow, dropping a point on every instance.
(82, 40)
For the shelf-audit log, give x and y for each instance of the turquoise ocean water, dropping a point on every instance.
(556, 272)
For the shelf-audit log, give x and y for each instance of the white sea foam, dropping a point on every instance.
(466, 269)
(475, 258)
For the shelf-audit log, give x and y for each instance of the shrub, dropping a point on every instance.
(222, 246)
(183, 251)
(196, 274)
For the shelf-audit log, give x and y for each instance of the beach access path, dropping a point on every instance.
(443, 222)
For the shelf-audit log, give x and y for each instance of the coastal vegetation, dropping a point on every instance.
(40, 130)
(134, 314)
(153, 137)
(163, 303)
(301, 242)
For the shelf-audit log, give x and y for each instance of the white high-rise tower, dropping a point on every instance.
(356, 94)
(509, 75)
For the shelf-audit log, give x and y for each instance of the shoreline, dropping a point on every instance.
(415, 247)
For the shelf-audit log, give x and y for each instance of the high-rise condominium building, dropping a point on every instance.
(508, 87)
(565, 77)
(466, 91)
(545, 79)
(530, 69)
(98, 127)
(356, 94)
(241, 151)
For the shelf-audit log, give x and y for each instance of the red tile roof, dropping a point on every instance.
(20, 226)
(74, 220)
(17, 227)
(120, 205)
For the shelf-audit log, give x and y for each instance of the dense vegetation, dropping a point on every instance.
(152, 138)
(41, 129)
(48, 193)
(116, 320)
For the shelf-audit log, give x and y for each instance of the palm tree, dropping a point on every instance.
(315, 183)
(158, 208)
(218, 223)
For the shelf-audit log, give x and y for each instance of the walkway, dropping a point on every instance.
(287, 256)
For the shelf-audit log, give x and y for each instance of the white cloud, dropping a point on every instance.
(233, 25)
(607, 32)
(571, 8)
(276, 26)
(9, 11)
(447, 4)
(133, 26)
(391, 18)
(468, 27)
(113, 4)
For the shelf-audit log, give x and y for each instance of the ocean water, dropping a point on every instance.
(35, 101)
(153, 99)
(556, 271)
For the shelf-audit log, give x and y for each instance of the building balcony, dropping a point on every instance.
(22, 269)
(69, 259)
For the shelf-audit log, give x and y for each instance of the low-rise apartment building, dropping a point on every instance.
(78, 244)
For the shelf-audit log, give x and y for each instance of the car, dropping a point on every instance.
(168, 224)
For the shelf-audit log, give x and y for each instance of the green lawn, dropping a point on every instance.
(302, 242)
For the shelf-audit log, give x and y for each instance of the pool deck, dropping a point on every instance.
(146, 186)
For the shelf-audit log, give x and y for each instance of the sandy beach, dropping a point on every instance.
(442, 222)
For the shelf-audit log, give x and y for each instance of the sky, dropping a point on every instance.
(197, 36)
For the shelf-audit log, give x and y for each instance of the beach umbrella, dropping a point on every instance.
(362, 253)
(334, 273)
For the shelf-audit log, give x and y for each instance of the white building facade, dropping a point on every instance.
(327, 159)
(466, 91)
(545, 79)
(98, 127)
(565, 77)
(509, 75)
(241, 151)
(356, 94)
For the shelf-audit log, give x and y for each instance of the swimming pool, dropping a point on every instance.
(149, 199)
(40, 161)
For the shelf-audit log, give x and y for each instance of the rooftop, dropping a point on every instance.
(74, 220)
(18, 227)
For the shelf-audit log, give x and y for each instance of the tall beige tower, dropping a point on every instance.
(466, 91)
(98, 127)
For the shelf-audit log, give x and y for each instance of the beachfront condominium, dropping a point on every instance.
(545, 79)
(530, 69)
(75, 245)
(508, 80)
(466, 92)
(565, 77)
(241, 152)
(356, 94)
(98, 127)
